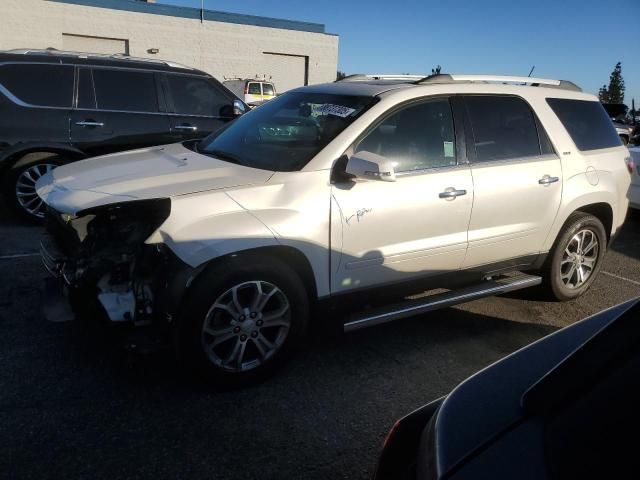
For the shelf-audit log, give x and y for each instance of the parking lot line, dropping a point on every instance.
(620, 278)
(18, 255)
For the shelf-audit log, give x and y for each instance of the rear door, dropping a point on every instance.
(117, 109)
(253, 92)
(197, 105)
(517, 180)
(268, 91)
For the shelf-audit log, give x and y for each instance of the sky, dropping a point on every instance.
(577, 40)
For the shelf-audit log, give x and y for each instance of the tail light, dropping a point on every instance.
(630, 164)
(391, 434)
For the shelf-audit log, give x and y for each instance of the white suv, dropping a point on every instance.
(343, 191)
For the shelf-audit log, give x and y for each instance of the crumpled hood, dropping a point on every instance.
(156, 172)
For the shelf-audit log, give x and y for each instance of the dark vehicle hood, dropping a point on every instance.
(491, 402)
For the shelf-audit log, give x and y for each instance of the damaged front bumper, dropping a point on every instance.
(100, 264)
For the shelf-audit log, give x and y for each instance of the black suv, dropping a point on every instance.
(57, 107)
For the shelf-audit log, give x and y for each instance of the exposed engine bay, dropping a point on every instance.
(101, 253)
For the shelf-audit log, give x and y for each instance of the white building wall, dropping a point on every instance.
(221, 49)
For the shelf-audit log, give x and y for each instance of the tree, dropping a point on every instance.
(436, 71)
(603, 94)
(614, 93)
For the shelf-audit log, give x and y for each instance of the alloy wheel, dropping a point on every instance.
(579, 259)
(26, 193)
(246, 326)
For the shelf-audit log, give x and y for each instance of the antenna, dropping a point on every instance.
(531, 71)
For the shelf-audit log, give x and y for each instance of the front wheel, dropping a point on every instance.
(20, 184)
(576, 257)
(243, 318)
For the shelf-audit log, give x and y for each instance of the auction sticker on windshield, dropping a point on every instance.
(338, 110)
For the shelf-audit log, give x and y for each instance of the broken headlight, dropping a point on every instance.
(120, 226)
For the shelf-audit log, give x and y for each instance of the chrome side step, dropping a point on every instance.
(441, 300)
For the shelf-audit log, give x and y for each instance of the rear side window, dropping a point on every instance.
(587, 122)
(268, 89)
(196, 96)
(39, 84)
(503, 128)
(125, 90)
(254, 89)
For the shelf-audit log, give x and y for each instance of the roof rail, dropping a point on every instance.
(532, 81)
(362, 77)
(115, 56)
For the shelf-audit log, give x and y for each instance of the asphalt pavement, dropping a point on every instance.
(74, 406)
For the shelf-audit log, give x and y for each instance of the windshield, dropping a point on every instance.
(284, 134)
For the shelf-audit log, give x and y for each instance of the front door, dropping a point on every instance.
(197, 106)
(517, 180)
(384, 232)
(116, 110)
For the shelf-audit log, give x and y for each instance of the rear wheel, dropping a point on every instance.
(243, 319)
(20, 184)
(576, 257)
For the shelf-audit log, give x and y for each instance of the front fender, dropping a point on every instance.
(203, 227)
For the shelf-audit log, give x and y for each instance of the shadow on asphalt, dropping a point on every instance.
(72, 402)
(630, 232)
(324, 354)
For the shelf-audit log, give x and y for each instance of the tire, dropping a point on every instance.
(232, 346)
(562, 278)
(19, 184)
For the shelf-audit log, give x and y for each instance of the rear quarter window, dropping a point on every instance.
(39, 84)
(587, 123)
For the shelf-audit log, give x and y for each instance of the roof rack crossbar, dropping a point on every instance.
(533, 81)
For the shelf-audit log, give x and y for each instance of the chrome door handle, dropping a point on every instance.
(87, 123)
(548, 180)
(191, 128)
(451, 193)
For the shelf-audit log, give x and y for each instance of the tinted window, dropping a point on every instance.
(503, 127)
(195, 96)
(287, 132)
(86, 93)
(45, 85)
(415, 138)
(254, 89)
(125, 90)
(268, 89)
(587, 122)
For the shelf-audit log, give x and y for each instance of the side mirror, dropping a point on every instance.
(238, 108)
(370, 166)
(234, 110)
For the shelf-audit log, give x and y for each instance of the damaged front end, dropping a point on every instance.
(103, 262)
